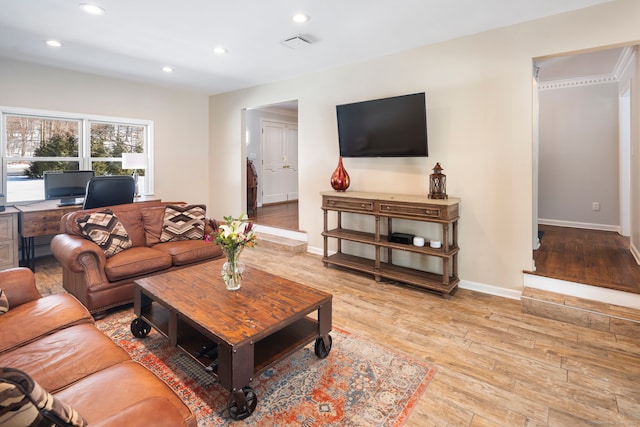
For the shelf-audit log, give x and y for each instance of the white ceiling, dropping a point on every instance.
(136, 38)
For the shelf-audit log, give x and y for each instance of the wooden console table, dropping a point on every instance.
(386, 207)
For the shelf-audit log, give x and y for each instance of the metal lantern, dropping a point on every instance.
(437, 183)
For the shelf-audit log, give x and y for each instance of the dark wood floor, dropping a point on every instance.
(598, 258)
(279, 215)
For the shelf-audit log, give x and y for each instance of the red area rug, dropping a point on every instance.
(360, 383)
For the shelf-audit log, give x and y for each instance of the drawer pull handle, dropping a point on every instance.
(429, 212)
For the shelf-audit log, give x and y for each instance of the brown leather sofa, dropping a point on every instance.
(101, 283)
(54, 341)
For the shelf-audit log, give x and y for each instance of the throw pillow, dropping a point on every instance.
(23, 402)
(4, 302)
(105, 230)
(183, 223)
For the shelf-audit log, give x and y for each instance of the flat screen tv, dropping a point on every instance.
(68, 186)
(388, 127)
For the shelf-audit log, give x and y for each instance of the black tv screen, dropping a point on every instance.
(388, 127)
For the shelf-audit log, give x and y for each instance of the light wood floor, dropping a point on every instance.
(496, 365)
(279, 215)
(592, 257)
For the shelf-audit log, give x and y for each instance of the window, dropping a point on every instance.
(34, 142)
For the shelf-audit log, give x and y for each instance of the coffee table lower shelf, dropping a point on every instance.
(235, 365)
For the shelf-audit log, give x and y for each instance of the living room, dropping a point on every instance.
(480, 103)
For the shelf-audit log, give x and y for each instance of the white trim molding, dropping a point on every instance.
(490, 289)
(623, 62)
(579, 290)
(583, 81)
(584, 225)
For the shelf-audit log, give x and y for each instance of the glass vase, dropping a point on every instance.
(232, 269)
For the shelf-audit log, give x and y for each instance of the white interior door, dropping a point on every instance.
(279, 162)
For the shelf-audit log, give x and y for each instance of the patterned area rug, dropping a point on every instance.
(360, 383)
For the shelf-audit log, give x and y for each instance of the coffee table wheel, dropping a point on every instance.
(321, 350)
(140, 328)
(242, 403)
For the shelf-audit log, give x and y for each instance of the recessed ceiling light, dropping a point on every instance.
(300, 18)
(92, 9)
(53, 43)
(167, 69)
(220, 50)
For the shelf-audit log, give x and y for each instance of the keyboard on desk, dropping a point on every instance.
(74, 202)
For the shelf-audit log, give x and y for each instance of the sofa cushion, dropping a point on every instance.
(57, 360)
(153, 219)
(155, 411)
(25, 403)
(4, 302)
(134, 262)
(54, 312)
(189, 251)
(183, 223)
(119, 387)
(105, 230)
(130, 216)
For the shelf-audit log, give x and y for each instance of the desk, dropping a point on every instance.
(43, 219)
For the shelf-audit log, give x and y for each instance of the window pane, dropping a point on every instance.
(23, 185)
(115, 168)
(37, 137)
(113, 139)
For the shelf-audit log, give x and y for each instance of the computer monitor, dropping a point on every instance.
(68, 186)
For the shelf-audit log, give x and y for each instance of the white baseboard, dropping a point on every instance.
(315, 251)
(490, 289)
(289, 234)
(610, 296)
(584, 225)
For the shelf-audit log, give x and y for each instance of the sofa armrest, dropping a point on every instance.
(19, 284)
(155, 411)
(69, 251)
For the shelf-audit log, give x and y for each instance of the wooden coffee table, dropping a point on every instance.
(252, 328)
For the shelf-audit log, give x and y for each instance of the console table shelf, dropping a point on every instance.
(385, 208)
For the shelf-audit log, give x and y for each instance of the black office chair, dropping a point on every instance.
(108, 191)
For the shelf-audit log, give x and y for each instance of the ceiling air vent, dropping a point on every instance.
(296, 42)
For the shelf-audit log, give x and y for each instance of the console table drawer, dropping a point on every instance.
(428, 212)
(349, 204)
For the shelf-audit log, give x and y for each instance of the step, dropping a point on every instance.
(591, 314)
(282, 244)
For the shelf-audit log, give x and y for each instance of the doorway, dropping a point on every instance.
(581, 166)
(272, 146)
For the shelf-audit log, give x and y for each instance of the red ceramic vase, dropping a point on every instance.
(340, 178)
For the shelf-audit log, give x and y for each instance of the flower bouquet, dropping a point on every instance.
(232, 236)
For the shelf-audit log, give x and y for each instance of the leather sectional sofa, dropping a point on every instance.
(54, 342)
(101, 281)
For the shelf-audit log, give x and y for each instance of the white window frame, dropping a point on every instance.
(84, 140)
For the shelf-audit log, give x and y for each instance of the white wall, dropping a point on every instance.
(579, 161)
(479, 113)
(180, 118)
